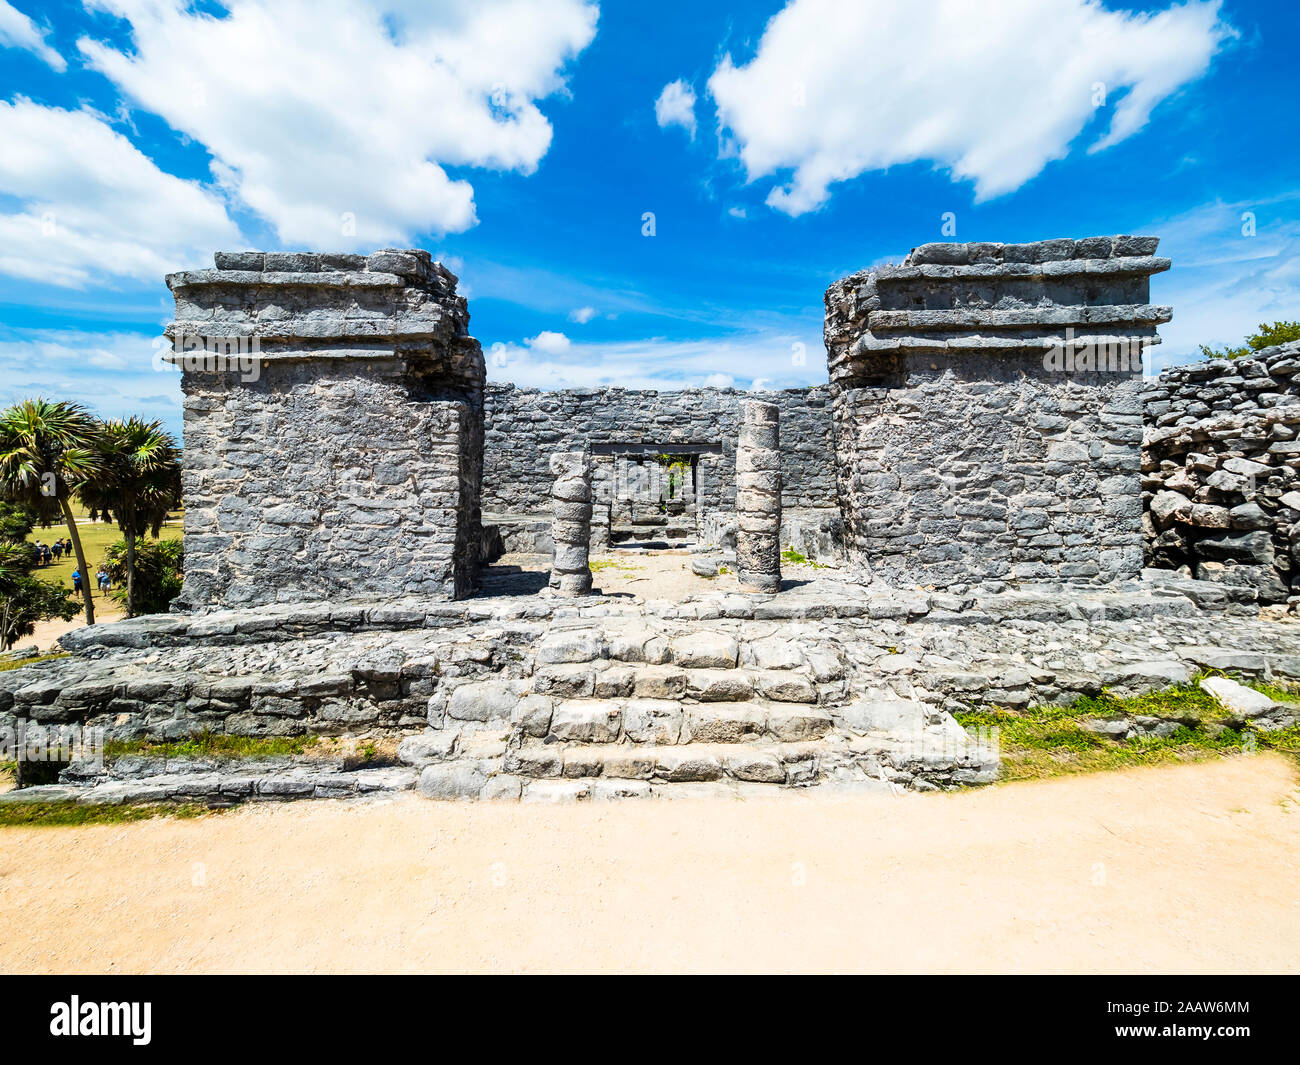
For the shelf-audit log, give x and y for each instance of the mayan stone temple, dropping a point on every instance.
(603, 593)
(962, 452)
(349, 461)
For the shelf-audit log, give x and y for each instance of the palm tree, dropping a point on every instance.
(139, 485)
(48, 450)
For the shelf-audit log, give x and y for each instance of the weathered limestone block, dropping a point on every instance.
(986, 410)
(571, 527)
(758, 498)
(333, 426)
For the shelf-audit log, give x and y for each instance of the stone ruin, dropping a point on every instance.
(973, 481)
(1221, 473)
(333, 428)
(984, 424)
(987, 410)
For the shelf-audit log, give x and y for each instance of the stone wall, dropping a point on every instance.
(338, 453)
(525, 425)
(1221, 471)
(986, 409)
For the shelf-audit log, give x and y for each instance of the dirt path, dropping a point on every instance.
(1191, 868)
(46, 636)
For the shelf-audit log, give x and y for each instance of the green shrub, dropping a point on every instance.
(159, 568)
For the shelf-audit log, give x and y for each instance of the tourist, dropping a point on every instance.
(58, 550)
(76, 580)
(104, 581)
(47, 556)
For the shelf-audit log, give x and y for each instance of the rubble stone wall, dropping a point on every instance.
(339, 454)
(1221, 471)
(986, 410)
(525, 425)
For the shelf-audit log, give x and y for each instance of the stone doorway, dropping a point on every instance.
(649, 495)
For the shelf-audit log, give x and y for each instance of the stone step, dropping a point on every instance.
(614, 680)
(770, 763)
(667, 721)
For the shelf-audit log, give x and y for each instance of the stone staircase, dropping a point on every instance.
(623, 711)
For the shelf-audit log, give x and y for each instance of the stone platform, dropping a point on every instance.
(531, 696)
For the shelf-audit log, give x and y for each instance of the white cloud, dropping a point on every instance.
(549, 342)
(676, 107)
(114, 374)
(18, 31)
(991, 92)
(659, 363)
(334, 120)
(736, 212)
(582, 315)
(1223, 283)
(92, 205)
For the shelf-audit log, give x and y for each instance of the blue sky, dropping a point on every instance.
(778, 146)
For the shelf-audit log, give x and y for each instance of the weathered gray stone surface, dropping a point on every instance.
(524, 425)
(965, 452)
(831, 684)
(571, 522)
(346, 454)
(758, 498)
(1221, 469)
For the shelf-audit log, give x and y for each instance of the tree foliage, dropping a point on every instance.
(1268, 335)
(25, 599)
(159, 565)
(139, 484)
(48, 450)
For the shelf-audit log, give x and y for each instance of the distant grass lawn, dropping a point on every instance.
(96, 538)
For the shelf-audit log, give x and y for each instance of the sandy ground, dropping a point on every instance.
(1191, 868)
(47, 633)
(659, 574)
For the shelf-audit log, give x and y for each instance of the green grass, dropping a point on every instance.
(71, 814)
(598, 564)
(213, 745)
(96, 538)
(1047, 741)
(20, 662)
(798, 558)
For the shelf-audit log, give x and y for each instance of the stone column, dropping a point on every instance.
(758, 498)
(571, 523)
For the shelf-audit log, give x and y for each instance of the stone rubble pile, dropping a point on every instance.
(1221, 472)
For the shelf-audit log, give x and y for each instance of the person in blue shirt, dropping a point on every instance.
(76, 580)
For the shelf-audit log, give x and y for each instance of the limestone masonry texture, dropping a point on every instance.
(524, 425)
(345, 458)
(964, 452)
(571, 522)
(758, 498)
(983, 430)
(1221, 472)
